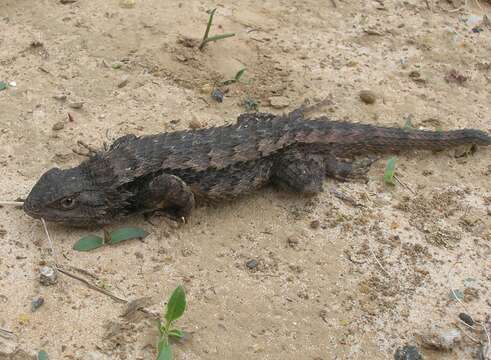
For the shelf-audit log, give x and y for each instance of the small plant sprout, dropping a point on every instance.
(175, 309)
(236, 78)
(390, 170)
(91, 242)
(206, 38)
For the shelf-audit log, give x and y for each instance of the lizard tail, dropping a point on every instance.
(387, 139)
(361, 138)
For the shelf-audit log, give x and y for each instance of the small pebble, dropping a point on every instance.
(206, 89)
(48, 276)
(217, 95)
(466, 318)
(76, 105)
(195, 124)
(368, 97)
(124, 81)
(36, 303)
(408, 352)
(58, 126)
(61, 97)
(252, 264)
(292, 241)
(315, 224)
(279, 102)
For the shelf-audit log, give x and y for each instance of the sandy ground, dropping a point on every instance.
(365, 281)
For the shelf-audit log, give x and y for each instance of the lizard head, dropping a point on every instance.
(67, 196)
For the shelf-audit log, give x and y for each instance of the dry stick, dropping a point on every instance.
(92, 286)
(483, 324)
(91, 149)
(8, 332)
(50, 242)
(466, 334)
(88, 283)
(333, 2)
(12, 203)
(404, 185)
(378, 262)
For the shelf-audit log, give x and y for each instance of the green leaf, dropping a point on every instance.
(176, 305)
(219, 37)
(88, 242)
(127, 234)
(408, 125)
(42, 355)
(176, 333)
(250, 104)
(456, 294)
(389, 171)
(239, 74)
(3, 85)
(235, 79)
(165, 352)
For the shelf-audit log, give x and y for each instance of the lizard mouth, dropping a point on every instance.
(30, 209)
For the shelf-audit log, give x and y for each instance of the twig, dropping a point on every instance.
(483, 324)
(478, 5)
(7, 332)
(404, 185)
(378, 262)
(87, 146)
(333, 2)
(92, 286)
(12, 203)
(466, 334)
(50, 242)
(61, 270)
(78, 152)
(428, 4)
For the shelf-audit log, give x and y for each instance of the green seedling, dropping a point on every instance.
(408, 125)
(42, 355)
(206, 38)
(3, 85)
(390, 170)
(175, 309)
(235, 79)
(251, 104)
(91, 242)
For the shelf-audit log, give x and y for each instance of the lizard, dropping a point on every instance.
(172, 172)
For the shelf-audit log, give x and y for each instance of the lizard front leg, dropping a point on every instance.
(170, 195)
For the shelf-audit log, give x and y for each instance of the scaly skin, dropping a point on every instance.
(172, 171)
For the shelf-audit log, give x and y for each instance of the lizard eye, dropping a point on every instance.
(68, 203)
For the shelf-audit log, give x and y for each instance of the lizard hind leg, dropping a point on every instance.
(170, 196)
(299, 171)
